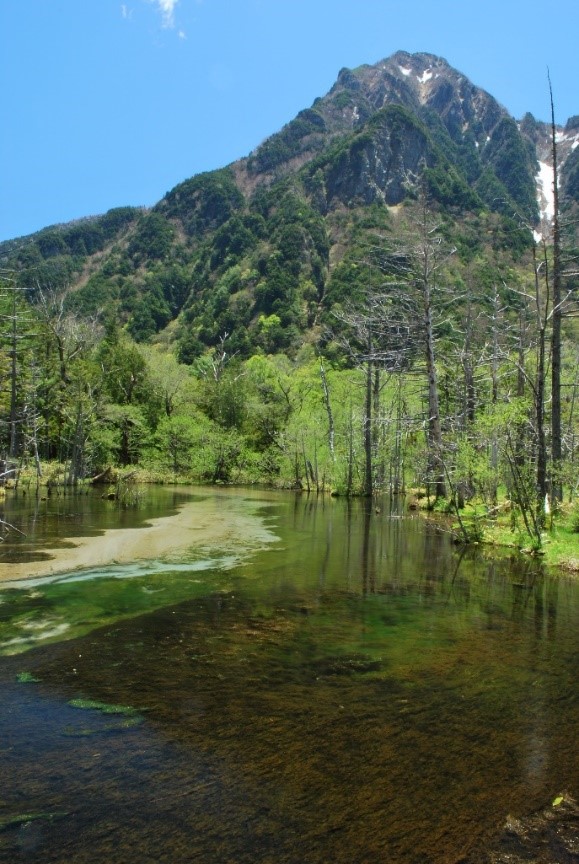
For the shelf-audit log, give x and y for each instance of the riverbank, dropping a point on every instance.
(502, 527)
(498, 527)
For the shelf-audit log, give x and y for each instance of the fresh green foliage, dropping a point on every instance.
(267, 321)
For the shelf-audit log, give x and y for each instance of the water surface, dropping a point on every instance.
(346, 687)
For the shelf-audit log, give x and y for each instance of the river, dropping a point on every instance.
(222, 675)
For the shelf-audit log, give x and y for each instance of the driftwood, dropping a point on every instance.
(109, 475)
(7, 527)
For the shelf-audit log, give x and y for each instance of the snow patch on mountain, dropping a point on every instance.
(545, 196)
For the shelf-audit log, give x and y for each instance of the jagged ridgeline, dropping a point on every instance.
(264, 249)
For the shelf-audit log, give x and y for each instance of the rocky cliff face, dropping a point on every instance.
(422, 83)
(381, 165)
(539, 137)
(450, 124)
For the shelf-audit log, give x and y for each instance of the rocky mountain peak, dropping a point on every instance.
(391, 122)
(423, 82)
(256, 248)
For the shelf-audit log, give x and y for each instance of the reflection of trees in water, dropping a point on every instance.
(534, 593)
(368, 553)
(394, 558)
(372, 546)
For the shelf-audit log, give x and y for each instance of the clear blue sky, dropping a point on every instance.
(106, 103)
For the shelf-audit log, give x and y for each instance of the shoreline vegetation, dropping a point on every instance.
(205, 524)
(389, 392)
(502, 527)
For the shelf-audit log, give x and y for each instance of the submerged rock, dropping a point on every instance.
(348, 664)
(549, 836)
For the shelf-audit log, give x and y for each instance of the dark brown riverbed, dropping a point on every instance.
(356, 692)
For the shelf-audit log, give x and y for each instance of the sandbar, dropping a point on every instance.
(217, 523)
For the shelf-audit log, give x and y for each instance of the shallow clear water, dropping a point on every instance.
(358, 690)
(53, 521)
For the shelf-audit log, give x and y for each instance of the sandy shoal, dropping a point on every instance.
(208, 524)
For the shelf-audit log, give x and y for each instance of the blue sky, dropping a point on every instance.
(106, 104)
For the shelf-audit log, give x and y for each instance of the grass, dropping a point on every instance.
(504, 526)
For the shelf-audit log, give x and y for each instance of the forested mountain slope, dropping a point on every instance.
(379, 295)
(264, 248)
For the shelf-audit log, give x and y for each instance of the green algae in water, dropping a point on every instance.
(71, 605)
(289, 713)
(87, 732)
(103, 707)
(8, 822)
(130, 718)
(27, 678)
(62, 606)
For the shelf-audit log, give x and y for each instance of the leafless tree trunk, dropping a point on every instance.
(426, 251)
(13, 420)
(539, 389)
(350, 472)
(328, 406)
(15, 335)
(434, 426)
(571, 433)
(468, 396)
(556, 437)
(368, 464)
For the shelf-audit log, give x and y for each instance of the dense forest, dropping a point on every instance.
(353, 310)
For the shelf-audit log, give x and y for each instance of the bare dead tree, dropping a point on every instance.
(328, 407)
(556, 436)
(15, 333)
(425, 257)
(70, 335)
(380, 337)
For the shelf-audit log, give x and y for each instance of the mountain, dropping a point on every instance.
(417, 112)
(264, 249)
